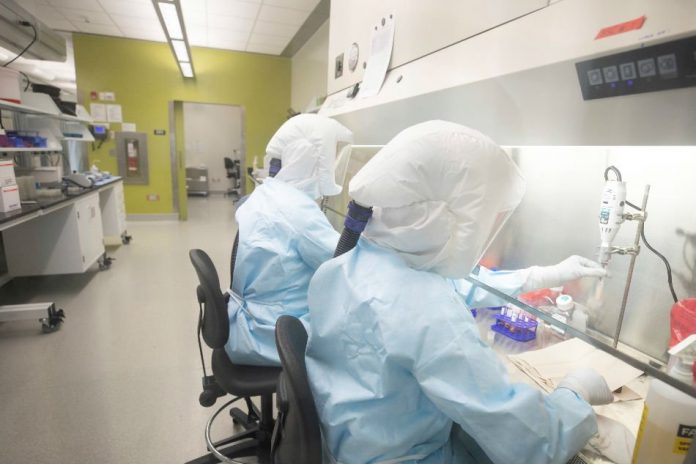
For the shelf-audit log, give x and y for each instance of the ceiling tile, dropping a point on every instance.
(194, 4)
(86, 16)
(197, 36)
(45, 12)
(263, 39)
(282, 15)
(233, 8)
(220, 35)
(132, 22)
(156, 35)
(60, 24)
(92, 5)
(267, 49)
(230, 23)
(194, 14)
(130, 8)
(227, 44)
(102, 29)
(281, 30)
(306, 5)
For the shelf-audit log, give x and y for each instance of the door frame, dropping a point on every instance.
(177, 161)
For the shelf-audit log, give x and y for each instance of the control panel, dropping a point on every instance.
(669, 65)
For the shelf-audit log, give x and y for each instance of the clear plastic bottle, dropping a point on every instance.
(668, 427)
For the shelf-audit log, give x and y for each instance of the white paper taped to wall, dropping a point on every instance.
(98, 112)
(113, 113)
(381, 45)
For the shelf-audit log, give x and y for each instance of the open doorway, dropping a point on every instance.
(208, 151)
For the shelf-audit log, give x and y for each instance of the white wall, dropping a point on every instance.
(309, 67)
(211, 133)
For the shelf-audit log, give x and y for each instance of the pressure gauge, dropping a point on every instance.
(353, 56)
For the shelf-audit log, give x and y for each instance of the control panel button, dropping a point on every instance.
(594, 76)
(646, 68)
(667, 64)
(611, 74)
(628, 71)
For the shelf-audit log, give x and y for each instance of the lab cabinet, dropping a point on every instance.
(67, 240)
(113, 211)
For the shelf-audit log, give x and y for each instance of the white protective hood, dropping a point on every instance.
(440, 192)
(306, 145)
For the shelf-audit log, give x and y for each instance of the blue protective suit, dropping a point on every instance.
(283, 238)
(395, 360)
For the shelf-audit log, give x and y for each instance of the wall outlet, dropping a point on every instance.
(153, 197)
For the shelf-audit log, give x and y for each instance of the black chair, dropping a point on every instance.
(234, 173)
(241, 381)
(296, 437)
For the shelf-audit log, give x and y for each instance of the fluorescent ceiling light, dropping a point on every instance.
(171, 20)
(180, 50)
(186, 69)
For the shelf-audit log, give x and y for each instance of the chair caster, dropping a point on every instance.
(105, 262)
(53, 321)
(211, 392)
(207, 398)
(126, 239)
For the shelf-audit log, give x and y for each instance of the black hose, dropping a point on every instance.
(24, 23)
(346, 242)
(668, 267)
(613, 169)
(664, 260)
(233, 260)
(354, 224)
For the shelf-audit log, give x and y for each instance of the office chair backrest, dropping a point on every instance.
(216, 326)
(296, 438)
(229, 164)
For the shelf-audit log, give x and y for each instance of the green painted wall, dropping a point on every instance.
(145, 78)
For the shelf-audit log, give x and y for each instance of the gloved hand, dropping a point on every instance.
(569, 269)
(589, 385)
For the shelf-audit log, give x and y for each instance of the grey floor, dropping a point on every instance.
(119, 383)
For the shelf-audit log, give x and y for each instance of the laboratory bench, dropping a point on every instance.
(47, 203)
(65, 234)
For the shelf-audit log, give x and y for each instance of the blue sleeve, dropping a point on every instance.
(508, 282)
(464, 378)
(316, 239)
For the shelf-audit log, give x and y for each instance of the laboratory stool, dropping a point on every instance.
(296, 437)
(240, 381)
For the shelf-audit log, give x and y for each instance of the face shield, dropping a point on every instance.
(307, 146)
(441, 192)
(344, 150)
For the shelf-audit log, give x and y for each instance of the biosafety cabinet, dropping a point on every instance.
(568, 88)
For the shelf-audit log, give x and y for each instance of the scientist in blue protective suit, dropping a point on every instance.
(283, 236)
(396, 365)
